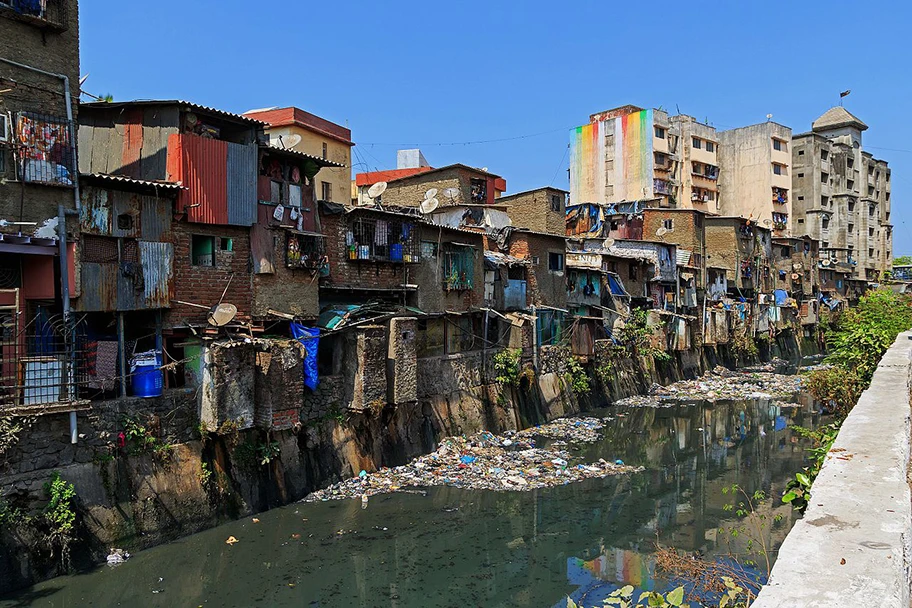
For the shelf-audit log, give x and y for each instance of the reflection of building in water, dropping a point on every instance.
(595, 579)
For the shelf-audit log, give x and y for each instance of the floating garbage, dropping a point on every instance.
(485, 461)
(117, 557)
(231, 540)
(720, 384)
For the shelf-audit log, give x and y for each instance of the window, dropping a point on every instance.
(824, 154)
(125, 221)
(801, 221)
(871, 211)
(615, 225)
(556, 262)
(696, 143)
(801, 175)
(556, 203)
(800, 198)
(226, 244)
(535, 260)
(202, 250)
(370, 239)
(632, 271)
(327, 191)
(304, 251)
(324, 150)
(277, 192)
(851, 228)
(871, 253)
(46, 153)
(294, 195)
(710, 146)
(851, 205)
(850, 184)
(850, 162)
(428, 249)
(800, 152)
(779, 145)
(824, 245)
(870, 169)
(824, 178)
(458, 267)
(786, 251)
(778, 169)
(825, 222)
(698, 168)
(660, 132)
(870, 232)
(463, 333)
(668, 224)
(479, 190)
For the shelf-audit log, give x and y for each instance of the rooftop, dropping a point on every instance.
(291, 116)
(291, 153)
(835, 118)
(187, 105)
(534, 190)
(373, 177)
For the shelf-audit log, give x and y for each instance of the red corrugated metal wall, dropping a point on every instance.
(132, 143)
(201, 165)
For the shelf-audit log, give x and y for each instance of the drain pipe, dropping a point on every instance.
(61, 222)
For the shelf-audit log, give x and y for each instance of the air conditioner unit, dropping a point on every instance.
(5, 127)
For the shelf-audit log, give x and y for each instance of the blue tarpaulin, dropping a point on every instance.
(310, 338)
(781, 297)
(617, 289)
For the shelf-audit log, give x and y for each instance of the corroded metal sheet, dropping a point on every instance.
(242, 184)
(99, 288)
(158, 273)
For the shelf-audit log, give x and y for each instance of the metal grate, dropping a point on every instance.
(458, 268)
(40, 361)
(370, 239)
(305, 251)
(99, 249)
(43, 13)
(44, 149)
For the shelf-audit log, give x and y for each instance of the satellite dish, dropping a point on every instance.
(430, 194)
(376, 190)
(222, 314)
(794, 276)
(451, 193)
(428, 205)
(609, 243)
(662, 231)
(767, 222)
(293, 140)
(485, 169)
(825, 263)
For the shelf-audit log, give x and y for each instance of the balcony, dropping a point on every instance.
(45, 14)
(661, 186)
(780, 196)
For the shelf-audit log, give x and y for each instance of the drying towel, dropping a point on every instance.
(106, 365)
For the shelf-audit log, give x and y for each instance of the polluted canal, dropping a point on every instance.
(522, 519)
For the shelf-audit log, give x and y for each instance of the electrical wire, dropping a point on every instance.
(465, 143)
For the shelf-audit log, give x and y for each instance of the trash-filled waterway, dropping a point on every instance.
(532, 540)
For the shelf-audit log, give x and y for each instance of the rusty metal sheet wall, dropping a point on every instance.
(99, 287)
(158, 273)
(200, 165)
(156, 219)
(242, 184)
(95, 216)
(125, 203)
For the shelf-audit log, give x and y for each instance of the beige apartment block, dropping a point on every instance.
(842, 195)
(756, 175)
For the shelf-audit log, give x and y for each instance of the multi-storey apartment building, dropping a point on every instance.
(629, 154)
(842, 195)
(756, 175)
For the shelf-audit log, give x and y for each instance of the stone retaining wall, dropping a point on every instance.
(852, 548)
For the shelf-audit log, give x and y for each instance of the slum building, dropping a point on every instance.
(39, 201)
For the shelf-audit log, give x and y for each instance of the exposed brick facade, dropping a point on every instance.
(410, 191)
(544, 285)
(204, 284)
(541, 210)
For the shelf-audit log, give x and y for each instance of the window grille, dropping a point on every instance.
(376, 240)
(44, 150)
(305, 251)
(458, 268)
(99, 249)
(43, 13)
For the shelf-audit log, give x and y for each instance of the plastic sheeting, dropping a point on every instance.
(310, 338)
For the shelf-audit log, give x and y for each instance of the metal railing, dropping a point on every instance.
(43, 13)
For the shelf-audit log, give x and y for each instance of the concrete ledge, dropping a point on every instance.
(852, 548)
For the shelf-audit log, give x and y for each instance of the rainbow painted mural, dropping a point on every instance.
(629, 177)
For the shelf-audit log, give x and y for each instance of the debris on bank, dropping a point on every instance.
(485, 461)
(720, 384)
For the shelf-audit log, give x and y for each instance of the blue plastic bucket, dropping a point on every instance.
(396, 252)
(146, 379)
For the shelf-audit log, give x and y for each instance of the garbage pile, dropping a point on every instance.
(583, 429)
(484, 461)
(720, 384)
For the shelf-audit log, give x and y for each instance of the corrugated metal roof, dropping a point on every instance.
(683, 257)
(323, 162)
(164, 102)
(120, 179)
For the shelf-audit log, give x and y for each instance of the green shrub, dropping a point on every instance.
(577, 377)
(506, 366)
(60, 517)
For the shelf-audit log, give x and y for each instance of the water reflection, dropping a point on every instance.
(462, 548)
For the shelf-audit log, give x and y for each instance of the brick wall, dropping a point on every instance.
(543, 286)
(52, 51)
(289, 290)
(428, 275)
(203, 284)
(533, 210)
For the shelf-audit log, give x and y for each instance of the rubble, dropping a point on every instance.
(720, 384)
(484, 461)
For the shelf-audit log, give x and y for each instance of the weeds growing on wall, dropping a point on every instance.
(624, 598)
(507, 369)
(743, 345)
(141, 439)
(636, 334)
(60, 518)
(11, 427)
(577, 377)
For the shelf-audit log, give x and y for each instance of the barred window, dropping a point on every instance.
(305, 251)
(370, 239)
(458, 268)
(44, 148)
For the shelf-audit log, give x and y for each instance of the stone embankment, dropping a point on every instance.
(853, 546)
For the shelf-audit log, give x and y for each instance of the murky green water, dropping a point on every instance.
(462, 548)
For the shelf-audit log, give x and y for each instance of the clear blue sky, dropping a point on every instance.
(404, 73)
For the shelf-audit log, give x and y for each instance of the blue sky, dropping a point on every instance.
(405, 73)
